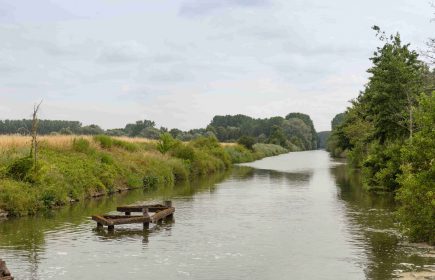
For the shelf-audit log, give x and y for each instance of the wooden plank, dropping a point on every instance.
(138, 208)
(102, 220)
(120, 220)
(162, 214)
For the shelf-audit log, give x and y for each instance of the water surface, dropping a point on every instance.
(294, 216)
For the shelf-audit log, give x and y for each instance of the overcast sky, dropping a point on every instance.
(180, 62)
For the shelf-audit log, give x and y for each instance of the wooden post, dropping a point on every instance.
(145, 213)
(99, 225)
(168, 203)
(111, 228)
(4, 271)
(127, 213)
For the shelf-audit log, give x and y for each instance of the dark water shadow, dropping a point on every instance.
(375, 227)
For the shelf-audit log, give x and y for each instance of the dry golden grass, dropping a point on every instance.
(228, 144)
(8, 142)
(134, 139)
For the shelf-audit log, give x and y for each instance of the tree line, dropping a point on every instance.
(295, 131)
(388, 132)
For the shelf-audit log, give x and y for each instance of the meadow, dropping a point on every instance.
(73, 168)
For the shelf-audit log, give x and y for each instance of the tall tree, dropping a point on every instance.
(390, 95)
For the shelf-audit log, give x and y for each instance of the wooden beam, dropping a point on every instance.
(101, 220)
(4, 271)
(162, 214)
(138, 208)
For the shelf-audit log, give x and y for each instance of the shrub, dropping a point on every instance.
(106, 158)
(247, 141)
(179, 169)
(18, 198)
(183, 151)
(150, 181)
(239, 154)
(131, 147)
(105, 141)
(166, 143)
(20, 169)
(81, 145)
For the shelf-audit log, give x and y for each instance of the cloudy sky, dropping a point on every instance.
(180, 62)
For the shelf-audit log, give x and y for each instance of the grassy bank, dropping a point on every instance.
(72, 168)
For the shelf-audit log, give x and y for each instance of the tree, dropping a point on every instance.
(390, 95)
(337, 120)
(417, 192)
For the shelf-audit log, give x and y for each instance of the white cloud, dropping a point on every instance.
(184, 61)
(122, 52)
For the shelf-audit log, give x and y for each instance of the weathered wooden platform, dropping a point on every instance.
(161, 211)
(4, 271)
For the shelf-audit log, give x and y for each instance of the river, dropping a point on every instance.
(294, 216)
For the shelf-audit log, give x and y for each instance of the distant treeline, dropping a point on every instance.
(295, 131)
(46, 127)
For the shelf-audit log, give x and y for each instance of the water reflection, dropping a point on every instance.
(133, 232)
(274, 177)
(29, 232)
(296, 216)
(375, 228)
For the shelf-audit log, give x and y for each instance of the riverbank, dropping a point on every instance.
(73, 168)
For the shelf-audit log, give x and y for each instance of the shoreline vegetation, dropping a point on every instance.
(388, 133)
(73, 168)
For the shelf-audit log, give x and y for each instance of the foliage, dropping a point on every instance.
(337, 120)
(388, 132)
(322, 138)
(295, 130)
(86, 167)
(247, 141)
(166, 143)
(81, 145)
(105, 141)
(131, 147)
(240, 154)
(20, 168)
(417, 192)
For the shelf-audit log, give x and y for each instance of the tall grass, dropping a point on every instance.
(72, 168)
(76, 167)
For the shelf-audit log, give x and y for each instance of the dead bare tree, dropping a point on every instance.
(35, 122)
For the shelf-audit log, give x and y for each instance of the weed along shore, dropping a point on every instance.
(74, 168)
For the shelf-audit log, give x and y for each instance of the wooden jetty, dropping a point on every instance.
(161, 211)
(4, 271)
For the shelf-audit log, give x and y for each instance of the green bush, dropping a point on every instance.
(166, 143)
(184, 151)
(20, 169)
(131, 147)
(105, 141)
(106, 158)
(150, 181)
(267, 150)
(247, 141)
(239, 154)
(81, 145)
(18, 198)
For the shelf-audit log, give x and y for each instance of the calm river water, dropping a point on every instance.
(295, 216)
